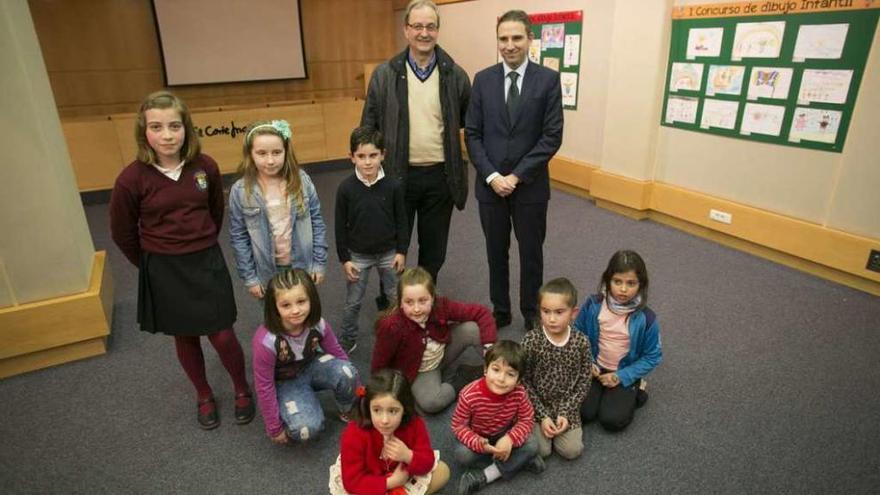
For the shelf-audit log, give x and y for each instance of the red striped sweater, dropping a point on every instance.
(480, 413)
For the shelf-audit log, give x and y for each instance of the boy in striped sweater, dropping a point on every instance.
(493, 422)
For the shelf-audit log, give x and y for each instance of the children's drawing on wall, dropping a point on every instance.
(769, 82)
(572, 50)
(820, 41)
(762, 119)
(552, 36)
(569, 82)
(551, 63)
(725, 79)
(719, 113)
(757, 40)
(814, 124)
(704, 42)
(681, 109)
(824, 86)
(535, 51)
(686, 77)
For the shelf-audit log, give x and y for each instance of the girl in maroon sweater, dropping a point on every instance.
(165, 213)
(424, 334)
(386, 448)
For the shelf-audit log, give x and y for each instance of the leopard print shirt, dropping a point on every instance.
(557, 378)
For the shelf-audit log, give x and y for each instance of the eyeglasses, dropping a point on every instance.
(431, 28)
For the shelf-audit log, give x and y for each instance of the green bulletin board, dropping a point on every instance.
(789, 79)
(557, 45)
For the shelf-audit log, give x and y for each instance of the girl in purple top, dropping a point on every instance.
(295, 354)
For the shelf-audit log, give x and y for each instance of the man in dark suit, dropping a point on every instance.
(513, 128)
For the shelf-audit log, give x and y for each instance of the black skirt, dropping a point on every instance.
(185, 294)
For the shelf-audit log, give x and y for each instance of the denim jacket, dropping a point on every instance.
(251, 235)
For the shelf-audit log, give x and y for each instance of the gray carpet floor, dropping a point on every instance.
(769, 382)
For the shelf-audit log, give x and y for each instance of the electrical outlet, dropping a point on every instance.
(721, 216)
(873, 261)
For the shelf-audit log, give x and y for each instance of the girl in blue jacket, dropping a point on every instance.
(275, 220)
(624, 339)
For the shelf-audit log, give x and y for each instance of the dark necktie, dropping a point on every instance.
(512, 95)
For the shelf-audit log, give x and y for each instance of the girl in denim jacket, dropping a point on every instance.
(275, 220)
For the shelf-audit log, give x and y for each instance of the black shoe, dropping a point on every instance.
(207, 414)
(536, 465)
(244, 408)
(459, 381)
(382, 302)
(471, 481)
(501, 319)
(470, 372)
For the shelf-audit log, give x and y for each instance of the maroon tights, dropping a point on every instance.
(189, 352)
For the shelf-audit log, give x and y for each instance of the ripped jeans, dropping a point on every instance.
(298, 401)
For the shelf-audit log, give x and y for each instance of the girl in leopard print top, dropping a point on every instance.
(557, 376)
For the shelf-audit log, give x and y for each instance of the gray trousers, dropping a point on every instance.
(431, 394)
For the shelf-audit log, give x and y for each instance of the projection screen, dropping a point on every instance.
(217, 41)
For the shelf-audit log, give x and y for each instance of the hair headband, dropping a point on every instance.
(281, 126)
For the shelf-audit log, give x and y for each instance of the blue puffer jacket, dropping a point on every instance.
(644, 339)
(251, 235)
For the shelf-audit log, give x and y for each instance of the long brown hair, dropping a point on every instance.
(162, 100)
(247, 169)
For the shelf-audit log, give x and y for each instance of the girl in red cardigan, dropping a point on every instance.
(424, 334)
(386, 448)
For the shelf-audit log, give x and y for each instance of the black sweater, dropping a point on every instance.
(370, 220)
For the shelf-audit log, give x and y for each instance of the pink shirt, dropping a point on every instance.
(613, 338)
(278, 211)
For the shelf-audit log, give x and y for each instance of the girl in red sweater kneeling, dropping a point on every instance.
(424, 334)
(386, 448)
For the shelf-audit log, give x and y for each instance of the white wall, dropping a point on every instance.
(467, 32)
(624, 51)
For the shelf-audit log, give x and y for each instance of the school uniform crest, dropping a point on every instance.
(201, 180)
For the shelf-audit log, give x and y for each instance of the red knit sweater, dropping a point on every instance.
(483, 413)
(400, 342)
(363, 473)
(153, 213)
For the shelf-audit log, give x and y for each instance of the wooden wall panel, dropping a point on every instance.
(101, 147)
(103, 56)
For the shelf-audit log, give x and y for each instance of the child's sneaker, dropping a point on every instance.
(536, 465)
(471, 481)
(348, 346)
(642, 393)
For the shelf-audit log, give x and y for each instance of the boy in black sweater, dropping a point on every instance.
(372, 228)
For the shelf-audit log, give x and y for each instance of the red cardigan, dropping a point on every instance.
(363, 473)
(400, 342)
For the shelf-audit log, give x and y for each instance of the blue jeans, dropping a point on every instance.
(519, 456)
(298, 401)
(354, 293)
